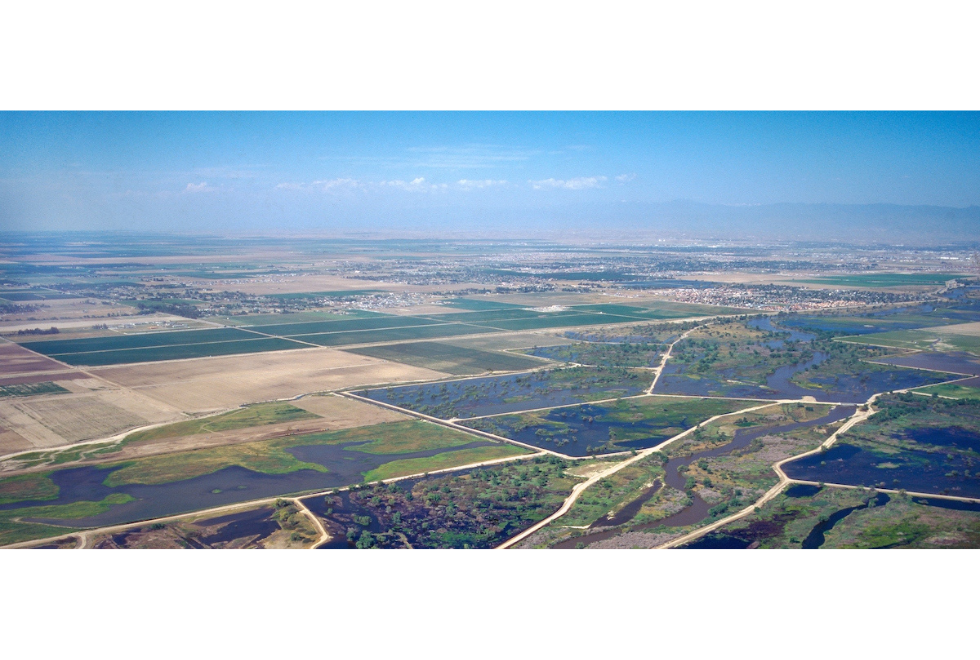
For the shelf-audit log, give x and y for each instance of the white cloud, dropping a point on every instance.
(417, 184)
(470, 184)
(198, 187)
(623, 178)
(332, 184)
(578, 183)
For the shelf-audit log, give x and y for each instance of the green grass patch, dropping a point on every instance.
(271, 457)
(27, 487)
(953, 391)
(260, 414)
(414, 437)
(876, 280)
(408, 466)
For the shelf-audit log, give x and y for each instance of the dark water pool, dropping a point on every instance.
(956, 363)
(816, 537)
(227, 486)
(914, 470)
(475, 397)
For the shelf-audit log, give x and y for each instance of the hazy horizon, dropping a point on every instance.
(781, 175)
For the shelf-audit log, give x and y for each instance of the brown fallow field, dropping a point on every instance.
(209, 384)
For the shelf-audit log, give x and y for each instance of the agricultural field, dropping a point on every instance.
(90, 411)
(476, 397)
(623, 425)
(15, 359)
(356, 337)
(454, 360)
(162, 485)
(179, 352)
(200, 386)
(916, 443)
(31, 389)
(477, 508)
(248, 320)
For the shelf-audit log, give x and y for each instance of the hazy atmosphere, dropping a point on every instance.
(703, 174)
(346, 331)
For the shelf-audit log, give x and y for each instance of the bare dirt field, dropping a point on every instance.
(17, 360)
(55, 421)
(209, 384)
(12, 442)
(341, 412)
(965, 329)
(93, 409)
(67, 309)
(60, 377)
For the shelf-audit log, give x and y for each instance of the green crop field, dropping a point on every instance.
(148, 340)
(343, 325)
(449, 359)
(490, 315)
(876, 280)
(105, 358)
(558, 320)
(248, 320)
(403, 467)
(30, 389)
(479, 305)
(393, 334)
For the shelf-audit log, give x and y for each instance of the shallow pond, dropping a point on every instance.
(955, 363)
(816, 537)
(588, 429)
(226, 486)
(698, 510)
(913, 470)
(475, 397)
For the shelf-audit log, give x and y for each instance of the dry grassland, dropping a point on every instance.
(965, 329)
(209, 384)
(341, 412)
(12, 442)
(335, 412)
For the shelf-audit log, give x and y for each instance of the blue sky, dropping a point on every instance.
(349, 171)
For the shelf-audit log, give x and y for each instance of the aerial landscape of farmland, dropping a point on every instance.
(213, 395)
